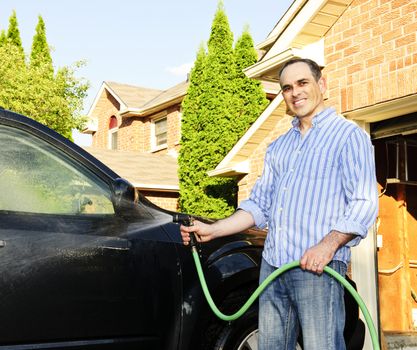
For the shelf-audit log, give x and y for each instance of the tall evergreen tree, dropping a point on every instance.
(251, 98)
(13, 35)
(220, 105)
(204, 195)
(189, 159)
(40, 54)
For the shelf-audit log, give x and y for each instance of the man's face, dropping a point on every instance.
(302, 93)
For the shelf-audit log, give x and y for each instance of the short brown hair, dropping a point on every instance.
(314, 67)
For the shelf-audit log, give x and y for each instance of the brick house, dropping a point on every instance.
(136, 132)
(368, 50)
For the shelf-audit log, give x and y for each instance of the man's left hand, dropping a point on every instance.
(318, 256)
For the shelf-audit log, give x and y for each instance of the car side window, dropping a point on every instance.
(36, 177)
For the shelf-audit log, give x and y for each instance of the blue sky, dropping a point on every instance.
(144, 43)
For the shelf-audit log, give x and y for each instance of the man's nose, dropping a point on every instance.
(296, 90)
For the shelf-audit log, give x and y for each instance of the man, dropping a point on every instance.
(318, 196)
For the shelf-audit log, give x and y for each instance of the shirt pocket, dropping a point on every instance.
(319, 163)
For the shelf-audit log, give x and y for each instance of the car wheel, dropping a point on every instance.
(241, 334)
(251, 342)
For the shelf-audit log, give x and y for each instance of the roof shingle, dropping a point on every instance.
(143, 170)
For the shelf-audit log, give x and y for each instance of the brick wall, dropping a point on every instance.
(256, 160)
(134, 133)
(371, 53)
(106, 107)
(165, 200)
(130, 133)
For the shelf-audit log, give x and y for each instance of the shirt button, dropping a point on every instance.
(284, 189)
(291, 170)
(279, 209)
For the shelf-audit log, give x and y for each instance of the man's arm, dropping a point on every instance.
(235, 223)
(318, 256)
(251, 212)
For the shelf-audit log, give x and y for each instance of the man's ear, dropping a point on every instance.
(322, 85)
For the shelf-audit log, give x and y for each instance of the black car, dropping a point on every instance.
(88, 263)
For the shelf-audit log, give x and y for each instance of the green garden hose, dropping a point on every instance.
(272, 276)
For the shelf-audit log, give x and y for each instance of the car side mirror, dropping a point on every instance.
(124, 197)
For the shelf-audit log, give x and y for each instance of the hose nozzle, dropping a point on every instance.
(187, 220)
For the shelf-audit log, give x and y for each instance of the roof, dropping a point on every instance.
(171, 94)
(132, 96)
(146, 171)
(298, 33)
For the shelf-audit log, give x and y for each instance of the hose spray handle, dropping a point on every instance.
(187, 220)
(193, 240)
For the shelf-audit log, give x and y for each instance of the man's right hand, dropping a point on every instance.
(239, 221)
(203, 232)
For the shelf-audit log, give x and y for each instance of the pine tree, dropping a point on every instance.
(201, 194)
(40, 54)
(190, 127)
(13, 35)
(251, 98)
(220, 105)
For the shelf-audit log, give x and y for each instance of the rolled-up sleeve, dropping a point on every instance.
(259, 202)
(360, 187)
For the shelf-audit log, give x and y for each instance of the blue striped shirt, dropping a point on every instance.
(313, 184)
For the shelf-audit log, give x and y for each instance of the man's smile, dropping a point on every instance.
(299, 102)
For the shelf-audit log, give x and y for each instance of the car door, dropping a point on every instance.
(72, 272)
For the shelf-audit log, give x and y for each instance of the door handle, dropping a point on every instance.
(2, 243)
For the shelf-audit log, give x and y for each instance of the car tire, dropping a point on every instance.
(241, 334)
(230, 335)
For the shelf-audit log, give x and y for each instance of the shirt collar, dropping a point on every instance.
(319, 119)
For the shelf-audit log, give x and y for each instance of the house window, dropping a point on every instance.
(113, 130)
(160, 133)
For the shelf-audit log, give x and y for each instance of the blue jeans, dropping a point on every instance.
(300, 299)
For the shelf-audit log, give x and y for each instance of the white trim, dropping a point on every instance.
(282, 24)
(364, 273)
(295, 26)
(109, 138)
(91, 126)
(314, 51)
(241, 168)
(154, 146)
(225, 163)
(96, 99)
(156, 187)
(265, 65)
(140, 112)
(159, 148)
(385, 109)
(159, 115)
(103, 86)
